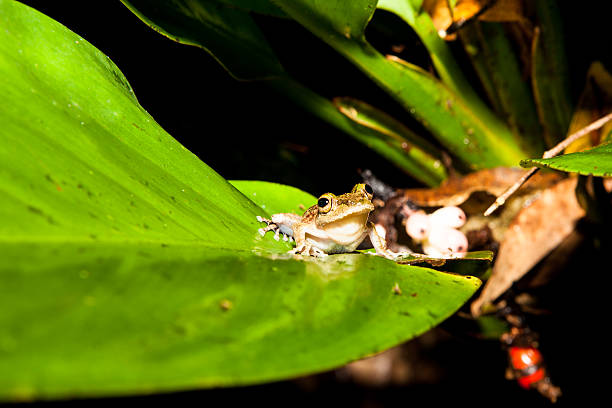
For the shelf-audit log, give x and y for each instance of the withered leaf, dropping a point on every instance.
(535, 231)
(503, 11)
(455, 191)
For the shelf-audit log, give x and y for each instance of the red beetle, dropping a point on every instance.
(526, 365)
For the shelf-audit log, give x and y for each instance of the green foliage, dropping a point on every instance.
(496, 63)
(394, 141)
(448, 108)
(550, 73)
(228, 33)
(596, 161)
(129, 266)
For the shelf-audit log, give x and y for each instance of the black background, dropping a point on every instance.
(247, 131)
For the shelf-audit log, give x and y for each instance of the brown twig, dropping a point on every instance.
(499, 201)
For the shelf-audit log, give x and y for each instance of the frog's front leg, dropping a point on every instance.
(281, 223)
(379, 243)
(303, 246)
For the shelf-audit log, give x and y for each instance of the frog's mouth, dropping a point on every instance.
(347, 230)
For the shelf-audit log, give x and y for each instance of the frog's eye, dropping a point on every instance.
(363, 188)
(324, 204)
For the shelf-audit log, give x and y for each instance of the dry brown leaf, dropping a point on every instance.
(503, 11)
(535, 231)
(439, 12)
(495, 181)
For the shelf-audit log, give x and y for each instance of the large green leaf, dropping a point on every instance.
(275, 198)
(129, 266)
(596, 162)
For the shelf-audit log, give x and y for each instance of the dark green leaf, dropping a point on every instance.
(496, 64)
(550, 74)
(228, 33)
(394, 141)
(257, 6)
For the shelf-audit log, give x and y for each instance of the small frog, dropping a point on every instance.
(336, 224)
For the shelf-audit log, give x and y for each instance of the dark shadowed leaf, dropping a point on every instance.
(228, 33)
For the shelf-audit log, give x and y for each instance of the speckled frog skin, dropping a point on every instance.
(336, 224)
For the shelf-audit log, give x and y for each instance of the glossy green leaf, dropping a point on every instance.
(276, 198)
(497, 66)
(492, 53)
(596, 162)
(469, 131)
(394, 141)
(129, 266)
(440, 53)
(421, 165)
(228, 33)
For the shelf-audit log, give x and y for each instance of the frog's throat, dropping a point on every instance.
(348, 230)
(323, 220)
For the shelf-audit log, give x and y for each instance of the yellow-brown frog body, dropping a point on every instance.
(336, 224)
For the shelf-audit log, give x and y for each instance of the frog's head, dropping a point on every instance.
(346, 214)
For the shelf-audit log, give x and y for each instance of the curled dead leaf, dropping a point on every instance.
(535, 231)
(447, 21)
(455, 191)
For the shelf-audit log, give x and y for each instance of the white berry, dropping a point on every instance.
(418, 226)
(445, 241)
(450, 216)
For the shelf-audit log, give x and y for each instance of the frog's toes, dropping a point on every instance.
(314, 251)
(318, 253)
(271, 226)
(298, 249)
